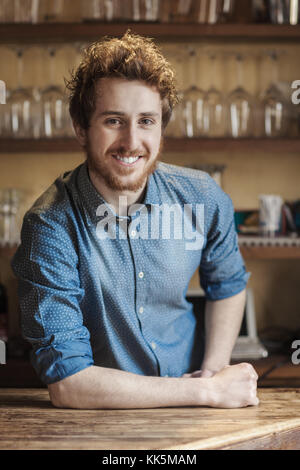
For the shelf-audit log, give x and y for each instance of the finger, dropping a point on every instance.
(197, 373)
(207, 373)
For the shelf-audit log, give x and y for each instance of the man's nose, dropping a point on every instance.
(130, 138)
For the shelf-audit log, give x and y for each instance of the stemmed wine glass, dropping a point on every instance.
(6, 11)
(144, 10)
(10, 199)
(26, 11)
(240, 106)
(53, 10)
(175, 126)
(53, 99)
(274, 104)
(5, 115)
(213, 106)
(193, 100)
(92, 10)
(20, 101)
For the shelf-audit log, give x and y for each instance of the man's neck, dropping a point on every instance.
(118, 200)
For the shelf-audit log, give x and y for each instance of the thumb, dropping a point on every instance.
(207, 373)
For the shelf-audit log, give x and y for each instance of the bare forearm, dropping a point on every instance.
(222, 325)
(98, 388)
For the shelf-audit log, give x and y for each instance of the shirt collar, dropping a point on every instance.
(91, 199)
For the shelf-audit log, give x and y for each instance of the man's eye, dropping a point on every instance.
(147, 122)
(113, 121)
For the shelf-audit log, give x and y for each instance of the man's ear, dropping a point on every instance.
(80, 134)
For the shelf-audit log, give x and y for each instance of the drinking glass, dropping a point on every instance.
(210, 11)
(274, 105)
(193, 100)
(175, 126)
(55, 114)
(182, 11)
(6, 11)
(227, 10)
(52, 11)
(20, 101)
(284, 11)
(108, 10)
(270, 207)
(5, 116)
(145, 10)
(240, 106)
(26, 11)
(9, 225)
(93, 10)
(213, 106)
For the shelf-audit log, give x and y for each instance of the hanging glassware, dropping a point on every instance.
(54, 105)
(274, 105)
(6, 11)
(240, 106)
(93, 10)
(145, 10)
(53, 10)
(5, 116)
(26, 11)
(175, 126)
(192, 103)
(20, 102)
(10, 199)
(213, 106)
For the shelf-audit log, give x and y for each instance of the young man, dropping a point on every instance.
(103, 278)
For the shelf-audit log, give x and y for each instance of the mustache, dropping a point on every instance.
(125, 153)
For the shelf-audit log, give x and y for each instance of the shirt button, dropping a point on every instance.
(141, 310)
(153, 345)
(133, 233)
(141, 275)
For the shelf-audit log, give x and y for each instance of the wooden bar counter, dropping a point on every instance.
(29, 421)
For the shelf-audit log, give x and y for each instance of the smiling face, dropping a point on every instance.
(124, 137)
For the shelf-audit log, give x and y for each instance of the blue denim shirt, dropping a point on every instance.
(96, 289)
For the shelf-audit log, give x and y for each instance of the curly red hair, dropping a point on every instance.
(132, 57)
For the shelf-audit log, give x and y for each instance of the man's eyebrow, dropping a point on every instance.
(108, 113)
(119, 113)
(150, 113)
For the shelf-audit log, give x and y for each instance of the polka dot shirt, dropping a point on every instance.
(98, 289)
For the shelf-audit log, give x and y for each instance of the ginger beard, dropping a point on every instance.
(102, 169)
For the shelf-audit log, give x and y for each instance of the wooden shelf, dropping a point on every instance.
(270, 252)
(248, 252)
(184, 144)
(68, 32)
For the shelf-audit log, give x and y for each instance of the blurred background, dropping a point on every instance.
(236, 64)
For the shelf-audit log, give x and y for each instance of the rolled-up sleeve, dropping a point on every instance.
(50, 294)
(222, 270)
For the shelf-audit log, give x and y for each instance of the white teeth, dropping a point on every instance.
(127, 160)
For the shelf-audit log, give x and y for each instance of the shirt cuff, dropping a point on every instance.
(55, 363)
(224, 289)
